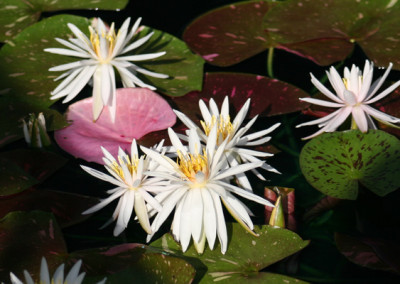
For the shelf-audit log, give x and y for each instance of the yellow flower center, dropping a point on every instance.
(132, 166)
(224, 126)
(110, 39)
(192, 164)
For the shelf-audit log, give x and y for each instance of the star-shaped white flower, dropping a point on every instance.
(354, 94)
(101, 55)
(133, 187)
(197, 187)
(234, 151)
(73, 277)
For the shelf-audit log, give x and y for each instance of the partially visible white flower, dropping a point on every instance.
(354, 93)
(234, 151)
(73, 277)
(100, 55)
(133, 187)
(35, 132)
(197, 187)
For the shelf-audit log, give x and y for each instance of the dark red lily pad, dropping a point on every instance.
(139, 112)
(268, 96)
(373, 25)
(325, 204)
(230, 34)
(67, 207)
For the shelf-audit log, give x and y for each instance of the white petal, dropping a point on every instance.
(225, 107)
(141, 212)
(73, 273)
(245, 194)
(321, 102)
(136, 43)
(209, 218)
(44, 272)
(378, 83)
(196, 214)
(324, 90)
(102, 176)
(141, 57)
(58, 276)
(104, 202)
(205, 112)
(384, 93)
(381, 116)
(221, 226)
(68, 52)
(14, 279)
(360, 119)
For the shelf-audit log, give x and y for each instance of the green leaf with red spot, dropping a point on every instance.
(325, 30)
(17, 15)
(230, 34)
(268, 96)
(335, 163)
(246, 256)
(26, 237)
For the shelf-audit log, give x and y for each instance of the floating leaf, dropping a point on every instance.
(246, 254)
(139, 112)
(185, 69)
(268, 96)
(17, 15)
(230, 34)
(131, 262)
(334, 163)
(370, 252)
(24, 238)
(311, 28)
(67, 207)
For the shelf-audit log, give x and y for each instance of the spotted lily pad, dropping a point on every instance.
(139, 112)
(245, 257)
(230, 34)
(268, 96)
(17, 15)
(334, 163)
(312, 26)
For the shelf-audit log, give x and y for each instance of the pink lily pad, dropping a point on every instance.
(139, 112)
(268, 96)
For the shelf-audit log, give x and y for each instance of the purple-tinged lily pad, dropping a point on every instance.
(334, 163)
(25, 237)
(139, 112)
(17, 15)
(370, 252)
(373, 25)
(268, 96)
(246, 255)
(230, 34)
(66, 207)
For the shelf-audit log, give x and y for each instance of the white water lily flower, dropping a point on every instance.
(354, 93)
(101, 54)
(234, 151)
(73, 277)
(197, 187)
(133, 187)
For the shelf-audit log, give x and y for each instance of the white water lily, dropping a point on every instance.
(73, 277)
(197, 187)
(101, 54)
(354, 94)
(133, 187)
(235, 153)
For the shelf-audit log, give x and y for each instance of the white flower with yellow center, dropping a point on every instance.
(73, 277)
(354, 94)
(101, 53)
(133, 187)
(234, 151)
(197, 187)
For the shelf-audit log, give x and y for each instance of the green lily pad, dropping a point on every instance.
(269, 97)
(131, 262)
(26, 237)
(374, 25)
(17, 15)
(185, 69)
(334, 163)
(230, 34)
(245, 257)
(66, 207)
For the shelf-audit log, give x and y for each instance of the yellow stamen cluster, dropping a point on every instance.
(191, 164)
(132, 165)
(224, 125)
(110, 37)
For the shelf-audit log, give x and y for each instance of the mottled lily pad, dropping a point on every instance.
(230, 34)
(311, 26)
(26, 237)
(17, 15)
(268, 96)
(245, 257)
(334, 163)
(139, 112)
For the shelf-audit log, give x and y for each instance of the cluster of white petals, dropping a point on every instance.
(102, 53)
(354, 94)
